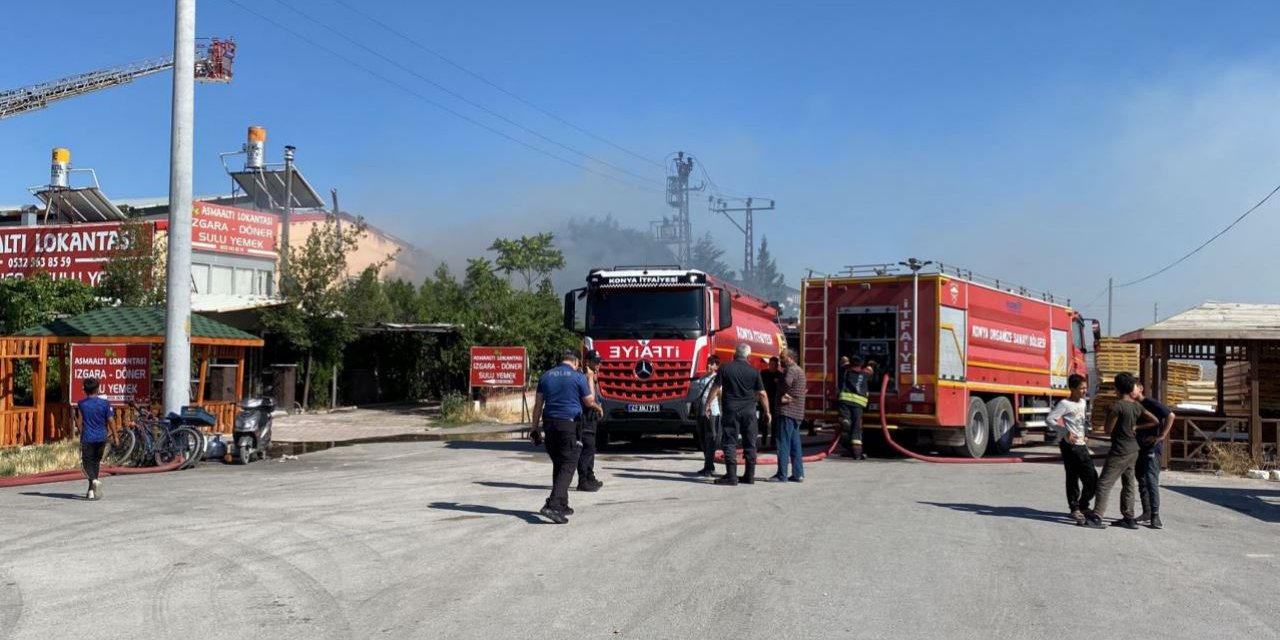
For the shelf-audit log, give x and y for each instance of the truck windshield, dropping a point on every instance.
(644, 314)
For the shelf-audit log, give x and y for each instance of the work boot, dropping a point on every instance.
(553, 515)
(1125, 523)
(707, 471)
(730, 477)
(857, 452)
(750, 476)
(589, 484)
(1156, 523)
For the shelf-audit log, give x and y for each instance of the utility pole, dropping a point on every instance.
(1155, 313)
(749, 249)
(177, 322)
(678, 198)
(1110, 291)
(285, 220)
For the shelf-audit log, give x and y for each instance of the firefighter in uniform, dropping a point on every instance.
(563, 394)
(852, 402)
(590, 418)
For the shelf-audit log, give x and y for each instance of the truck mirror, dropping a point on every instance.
(726, 308)
(570, 310)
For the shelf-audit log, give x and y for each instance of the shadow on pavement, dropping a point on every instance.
(1263, 504)
(686, 474)
(651, 476)
(514, 485)
(528, 516)
(60, 496)
(495, 445)
(1023, 513)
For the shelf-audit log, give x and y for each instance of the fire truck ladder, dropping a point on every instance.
(213, 64)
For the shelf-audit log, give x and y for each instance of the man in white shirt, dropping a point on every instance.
(709, 421)
(1070, 419)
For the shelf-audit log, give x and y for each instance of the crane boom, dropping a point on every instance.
(213, 64)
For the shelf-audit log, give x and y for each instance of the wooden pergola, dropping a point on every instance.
(1224, 334)
(42, 421)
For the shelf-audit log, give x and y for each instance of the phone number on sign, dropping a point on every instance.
(39, 262)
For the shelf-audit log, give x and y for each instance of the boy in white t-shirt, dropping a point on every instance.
(1070, 419)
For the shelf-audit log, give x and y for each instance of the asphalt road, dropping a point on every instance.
(441, 540)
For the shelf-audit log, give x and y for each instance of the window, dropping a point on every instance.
(262, 283)
(200, 277)
(1077, 334)
(645, 313)
(244, 282)
(221, 280)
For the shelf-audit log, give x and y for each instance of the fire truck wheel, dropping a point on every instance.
(976, 430)
(1003, 420)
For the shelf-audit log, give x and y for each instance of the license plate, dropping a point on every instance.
(643, 408)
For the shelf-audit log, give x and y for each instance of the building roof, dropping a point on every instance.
(1215, 321)
(142, 324)
(228, 302)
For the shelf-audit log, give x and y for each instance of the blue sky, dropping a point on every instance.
(1051, 145)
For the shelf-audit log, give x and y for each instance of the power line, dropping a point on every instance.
(486, 81)
(1203, 244)
(458, 96)
(434, 103)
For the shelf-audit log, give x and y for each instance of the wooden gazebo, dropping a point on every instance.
(1243, 343)
(43, 421)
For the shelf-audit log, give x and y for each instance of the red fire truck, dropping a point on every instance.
(971, 360)
(654, 328)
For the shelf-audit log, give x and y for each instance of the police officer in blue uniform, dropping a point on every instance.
(563, 394)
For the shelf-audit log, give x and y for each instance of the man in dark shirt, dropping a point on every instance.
(1150, 454)
(772, 379)
(587, 480)
(563, 393)
(94, 414)
(787, 434)
(739, 390)
(1125, 418)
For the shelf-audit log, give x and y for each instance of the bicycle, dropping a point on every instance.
(159, 440)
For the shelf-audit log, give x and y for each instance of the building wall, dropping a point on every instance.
(408, 261)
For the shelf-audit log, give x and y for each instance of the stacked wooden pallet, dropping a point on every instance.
(1202, 392)
(1177, 375)
(1111, 358)
(1237, 388)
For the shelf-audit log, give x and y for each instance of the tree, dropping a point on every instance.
(366, 300)
(134, 274)
(312, 319)
(28, 302)
(706, 256)
(534, 258)
(406, 304)
(766, 282)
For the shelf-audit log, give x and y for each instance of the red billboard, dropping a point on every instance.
(220, 229)
(123, 371)
(498, 366)
(74, 251)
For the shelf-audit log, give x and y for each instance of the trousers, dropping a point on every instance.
(587, 458)
(1148, 472)
(739, 427)
(709, 436)
(851, 423)
(562, 445)
(91, 458)
(1082, 476)
(1118, 467)
(789, 449)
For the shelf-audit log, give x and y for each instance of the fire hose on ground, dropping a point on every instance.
(71, 475)
(888, 438)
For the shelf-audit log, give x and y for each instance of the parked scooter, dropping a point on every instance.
(251, 435)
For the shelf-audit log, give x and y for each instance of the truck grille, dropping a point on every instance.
(670, 381)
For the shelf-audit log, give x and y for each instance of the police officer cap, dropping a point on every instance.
(593, 357)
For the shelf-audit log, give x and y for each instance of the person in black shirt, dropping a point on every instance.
(739, 390)
(1150, 455)
(1125, 419)
(772, 379)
